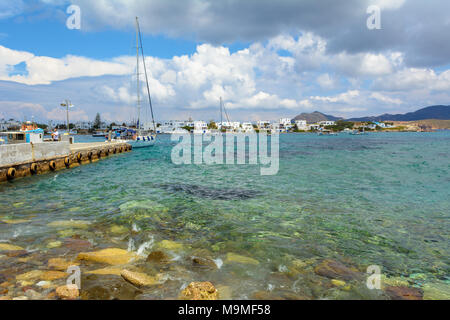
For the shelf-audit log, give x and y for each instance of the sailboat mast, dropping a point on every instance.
(221, 118)
(146, 76)
(137, 77)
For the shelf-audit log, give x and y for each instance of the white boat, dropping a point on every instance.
(142, 138)
(99, 134)
(143, 141)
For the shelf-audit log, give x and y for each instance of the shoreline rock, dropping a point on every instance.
(112, 256)
(199, 291)
(139, 279)
(68, 292)
(10, 247)
(404, 293)
(233, 257)
(335, 270)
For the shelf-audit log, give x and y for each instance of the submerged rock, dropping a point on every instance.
(44, 284)
(107, 287)
(393, 282)
(68, 292)
(170, 245)
(54, 244)
(338, 283)
(17, 221)
(436, 291)
(212, 193)
(233, 257)
(76, 224)
(106, 271)
(53, 275)
(225, 292)
(141, 209)
(335, 270)
(17, 254)
(33, 295)
(199, 291)
(30, 275)
(111, 256)
(61, 264)
(139, 279)
(77, 244)
(116, 229)
(9, 247)
(404, 293)
(158, 257)
(204, 262)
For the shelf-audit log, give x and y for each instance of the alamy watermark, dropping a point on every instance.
(374, 280)
(74, 280)
(74, 20)
(229, 149)
(374, 20)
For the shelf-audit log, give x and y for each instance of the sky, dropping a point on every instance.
(268, 59)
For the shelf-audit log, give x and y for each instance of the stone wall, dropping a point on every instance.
(13, 154)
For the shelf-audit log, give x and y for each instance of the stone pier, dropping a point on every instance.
(26, 159)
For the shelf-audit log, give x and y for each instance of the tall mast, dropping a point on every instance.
(146, 76)
(137, 77)
(221, 113)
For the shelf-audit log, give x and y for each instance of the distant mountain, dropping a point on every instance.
(316, 116)
(433, 112)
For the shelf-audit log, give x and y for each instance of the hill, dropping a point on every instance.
(316, 116)
(432, 112)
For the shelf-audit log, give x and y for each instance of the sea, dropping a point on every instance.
(381, 199)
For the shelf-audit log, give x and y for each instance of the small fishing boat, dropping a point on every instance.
(29, 133)
(99, 134)
(327, 133)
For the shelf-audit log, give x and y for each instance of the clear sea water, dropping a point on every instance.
(379, 199)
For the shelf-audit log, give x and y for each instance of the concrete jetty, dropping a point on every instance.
(25, 159)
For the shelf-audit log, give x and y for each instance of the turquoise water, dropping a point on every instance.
(380, 199)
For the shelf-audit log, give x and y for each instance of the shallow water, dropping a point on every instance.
(381, 199)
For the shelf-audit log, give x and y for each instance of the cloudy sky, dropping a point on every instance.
(267, 59)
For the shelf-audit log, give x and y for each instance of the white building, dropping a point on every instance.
(302, 125)
(229, 126)
(83, 125)
(171, 126)
(200, 127)
(285, 122)
(247, 127)
(263, 124)
(327, 123)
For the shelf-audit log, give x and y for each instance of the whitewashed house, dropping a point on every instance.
(247, 127)
(327, 123)
(302, 125)
(201, 127)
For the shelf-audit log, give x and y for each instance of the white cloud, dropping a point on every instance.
(326, 81)
(383, 98)
(410, 79)
(44, 70)
(389, 4)
(25, 111)
(10, 8)
(364, 65)
(345, 97)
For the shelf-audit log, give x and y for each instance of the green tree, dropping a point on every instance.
(97, 121)
(212, 125)
(188, 128)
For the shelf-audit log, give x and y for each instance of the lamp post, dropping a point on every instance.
(67, 105)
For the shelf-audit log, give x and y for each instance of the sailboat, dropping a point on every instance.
(141, 138)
